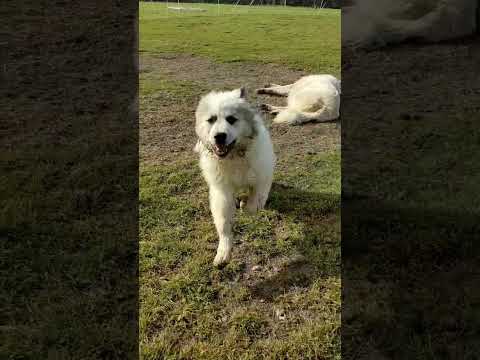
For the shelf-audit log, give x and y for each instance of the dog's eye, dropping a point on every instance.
(212, 119)
(231, 119)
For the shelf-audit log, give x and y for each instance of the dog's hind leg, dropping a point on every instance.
(277, 90)
(259, 196)
(292, 117)
(328, 112)
(222, 205)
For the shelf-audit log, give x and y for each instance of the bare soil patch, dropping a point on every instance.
(166, 120)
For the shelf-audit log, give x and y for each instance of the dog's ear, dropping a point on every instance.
(241, 92)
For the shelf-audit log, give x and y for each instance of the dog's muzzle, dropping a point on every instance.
(222, 150)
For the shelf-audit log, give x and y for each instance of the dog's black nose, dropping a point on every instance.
(220, 138)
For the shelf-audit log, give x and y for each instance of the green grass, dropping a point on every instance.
(59, 298)
(299, 37)
(189, 309)
(153, 83)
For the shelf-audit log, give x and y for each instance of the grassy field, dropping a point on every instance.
(242, 33)
(409, 262)
(279, 298)
(69, 165)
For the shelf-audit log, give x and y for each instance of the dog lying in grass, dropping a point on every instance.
(236, 157)
(312, 98)
(371, 24)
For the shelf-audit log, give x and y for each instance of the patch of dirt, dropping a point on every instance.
(167, 122)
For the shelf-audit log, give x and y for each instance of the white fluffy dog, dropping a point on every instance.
(236, 158)
(312, 98)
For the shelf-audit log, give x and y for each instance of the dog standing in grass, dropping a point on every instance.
(236, 158)
(312, 98)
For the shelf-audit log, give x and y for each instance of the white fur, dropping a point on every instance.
(370, 23)
(246, 169)
(312, 98)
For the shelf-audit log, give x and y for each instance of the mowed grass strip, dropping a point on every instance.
(304, 38)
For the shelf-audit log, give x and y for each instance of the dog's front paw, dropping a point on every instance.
(265, 107)
(222, 257)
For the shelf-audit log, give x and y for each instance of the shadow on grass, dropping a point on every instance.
(408, 277)
(318, 246)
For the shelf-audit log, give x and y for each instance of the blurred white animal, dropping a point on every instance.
(236, 158)
(370, 23)
(312, 98)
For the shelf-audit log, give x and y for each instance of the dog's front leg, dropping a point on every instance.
(222, 205)
(274, 89)
(274, 110)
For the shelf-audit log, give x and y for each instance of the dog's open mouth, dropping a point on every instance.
(223, 150)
